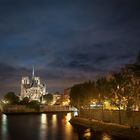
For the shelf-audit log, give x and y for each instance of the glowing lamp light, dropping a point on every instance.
(5, 101)
(43, 102)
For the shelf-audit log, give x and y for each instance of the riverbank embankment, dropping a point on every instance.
(110, 128)
(22, 109)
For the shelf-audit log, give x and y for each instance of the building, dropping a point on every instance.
(62, 99)
(57, 98)
(32, 88)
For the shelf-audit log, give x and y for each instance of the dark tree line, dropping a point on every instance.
(83, 94)
(122, 89)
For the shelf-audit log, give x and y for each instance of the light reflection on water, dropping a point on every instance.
(43, 118)
(54, 121)
(4, 127)
(87, 134)
(75, 113)
(54, 127)
(68, 128)
(106, 137)
(68, 117)
(45, 127)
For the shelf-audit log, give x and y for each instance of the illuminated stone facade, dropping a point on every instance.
(32, 88)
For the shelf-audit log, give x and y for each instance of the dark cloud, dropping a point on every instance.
(67, 41)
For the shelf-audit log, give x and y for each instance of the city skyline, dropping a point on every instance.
(66, 42)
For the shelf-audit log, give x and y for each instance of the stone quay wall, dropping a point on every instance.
(17, 109)
(54, 108)
(42, 108)
(112, 116)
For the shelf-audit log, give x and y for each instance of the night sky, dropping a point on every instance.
(67, 41)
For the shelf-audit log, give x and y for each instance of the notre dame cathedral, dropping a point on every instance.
(32, 88)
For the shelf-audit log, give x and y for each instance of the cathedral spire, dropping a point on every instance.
(33, 72)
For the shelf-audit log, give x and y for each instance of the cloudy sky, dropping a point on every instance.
(68, 41)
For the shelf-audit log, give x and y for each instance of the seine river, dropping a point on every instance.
(44, 127)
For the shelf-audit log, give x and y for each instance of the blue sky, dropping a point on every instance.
(67, 41)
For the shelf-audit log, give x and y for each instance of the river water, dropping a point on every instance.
(45, 127)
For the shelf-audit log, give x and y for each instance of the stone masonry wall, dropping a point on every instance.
(112, 116)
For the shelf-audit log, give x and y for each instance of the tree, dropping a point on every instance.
(74, 96)
(103, 89)
(48, 98)
(34, 105)
(131, 89)
(24, 101)
(83, 94)
(124, 91)
(117, 88)
(11, 98)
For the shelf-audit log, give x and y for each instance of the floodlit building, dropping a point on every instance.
(32, 88)
(57, 99)
(62, 99)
